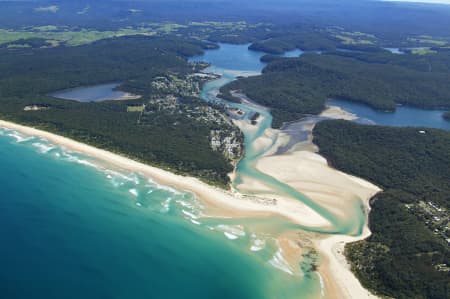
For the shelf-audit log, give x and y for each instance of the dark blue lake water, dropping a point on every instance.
(404, 116)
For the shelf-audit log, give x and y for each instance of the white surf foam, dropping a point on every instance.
(195, 222)
(280, 263)
(258, 244)
(322, 286)
(134, 192)
(20, 138)
(230, 236)
(232, 232)
(166, 205)
(43, 148)
(184, 204)
(72, 157)
(189, 214)
(135, 179)
(119, 178)
(86, 163)
(169, 189)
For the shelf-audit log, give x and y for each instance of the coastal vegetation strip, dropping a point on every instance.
(407, 255)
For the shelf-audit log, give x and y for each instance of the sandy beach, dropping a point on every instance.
(338, 113)
(305, 170)
(128, 96)
(301, 168)
(226, 202)
(339, 280)
(309, 173)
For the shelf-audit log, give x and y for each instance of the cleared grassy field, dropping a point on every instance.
(422, 51)
(68, 37)
(429, 40)
(135, 108)
(64, 35)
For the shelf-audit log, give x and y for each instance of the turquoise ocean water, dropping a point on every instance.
(74, 227)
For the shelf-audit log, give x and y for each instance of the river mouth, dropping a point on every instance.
(141, 237)
(285, 164)
(252, 177)
(262, 141)
(116, 231)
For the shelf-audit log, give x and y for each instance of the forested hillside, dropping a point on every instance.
(131, 60)
(294, 87)
(407, 255)
(28, 75)
(296, 37)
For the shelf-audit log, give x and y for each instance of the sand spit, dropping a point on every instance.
(338, 113)
(309, 173)
(304, 169)
(339, 280)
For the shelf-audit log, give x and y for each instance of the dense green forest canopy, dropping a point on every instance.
(276, 25)
(293, 37)
(438, 62)
(28, 75)
(389, 20)
(294, 87)
(132, 60)
(407, 255)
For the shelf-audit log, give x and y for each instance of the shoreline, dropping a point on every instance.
(335, 270)
(225, 202)
(338, 280)
(304, 169)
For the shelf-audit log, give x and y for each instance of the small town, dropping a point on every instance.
(178, 99)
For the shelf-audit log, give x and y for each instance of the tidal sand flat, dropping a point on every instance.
(301, 176)
(344, 196)
(147, 232)
(279, 260)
